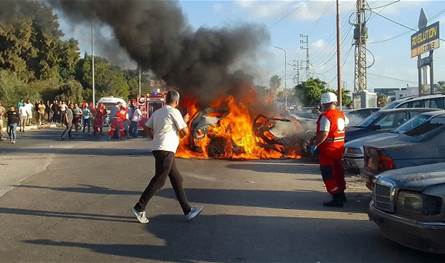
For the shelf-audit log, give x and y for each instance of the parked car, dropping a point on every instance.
(430, 101)
(407, 205)
(381, 121)
(354, 153)
(424, 144)
(357, 116)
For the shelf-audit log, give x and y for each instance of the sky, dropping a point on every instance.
(286, 21)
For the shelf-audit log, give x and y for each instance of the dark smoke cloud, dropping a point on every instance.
(157, 36)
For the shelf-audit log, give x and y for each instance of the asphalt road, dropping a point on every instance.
(70, 202)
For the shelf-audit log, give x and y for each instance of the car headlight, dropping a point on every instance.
(410, 201)
(419, 203)
(354, 151)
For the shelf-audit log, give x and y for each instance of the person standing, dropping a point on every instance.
(99, 116)
(86, 118)
(166, 126)
(77, 117)
(135, 119)
(68, 121)
(41, 109)
(330, 141)
(13, 121)
(29, 107)
(2, 113)
(23, 117)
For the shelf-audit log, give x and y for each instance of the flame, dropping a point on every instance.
(234, 136)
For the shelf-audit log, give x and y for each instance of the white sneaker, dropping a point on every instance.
(140, 216)
(194, 212)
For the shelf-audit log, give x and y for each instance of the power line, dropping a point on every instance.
(393, 78)
(288, 14)
(390, 38)
(392, 20)
(382, 6)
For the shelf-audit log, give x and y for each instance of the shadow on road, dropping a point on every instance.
(302, 200)
(275, 167)
(80, 151)
(230, 238)
(83, 188)
(70, 215)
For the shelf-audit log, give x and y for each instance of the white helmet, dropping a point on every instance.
(328, 97)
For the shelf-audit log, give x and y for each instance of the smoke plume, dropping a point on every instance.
(156, 35)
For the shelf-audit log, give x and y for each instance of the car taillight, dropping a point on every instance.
(385, 163)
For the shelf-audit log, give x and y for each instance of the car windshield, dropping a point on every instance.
(427, 126)
(370, 120)
(413, 123)
(392, 105)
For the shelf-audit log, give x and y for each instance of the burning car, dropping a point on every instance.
(227, 130)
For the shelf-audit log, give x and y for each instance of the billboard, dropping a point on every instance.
(425, 40)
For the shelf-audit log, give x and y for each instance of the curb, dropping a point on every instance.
(35, 127)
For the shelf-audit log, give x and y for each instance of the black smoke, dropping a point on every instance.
(156, 35)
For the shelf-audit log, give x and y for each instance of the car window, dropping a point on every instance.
(413, 123)
(392, 105)
(370, 120)
(427, 126)
(393, 120)
(414, 104)
(438, 103)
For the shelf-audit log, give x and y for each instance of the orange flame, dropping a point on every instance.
(233, 137)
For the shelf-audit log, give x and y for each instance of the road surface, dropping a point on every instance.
(70, 202)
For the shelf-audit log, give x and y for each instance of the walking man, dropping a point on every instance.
(68, 121)
(330, 141)
(13, 121)
(166, 126)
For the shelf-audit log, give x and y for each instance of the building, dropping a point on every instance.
(389, 92)
(407, 92)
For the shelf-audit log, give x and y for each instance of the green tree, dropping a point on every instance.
(275, 82)
(12, 89)
(309, 91)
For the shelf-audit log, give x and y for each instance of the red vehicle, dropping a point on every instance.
(148, 104)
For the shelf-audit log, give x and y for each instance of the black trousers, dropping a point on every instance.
(68, 129)
(165, 165)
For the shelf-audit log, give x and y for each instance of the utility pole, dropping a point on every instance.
(139, 81)
(296, 67)
(285, 76)
(92, 65)
(338, 56)
(360, 38)
(304, 44)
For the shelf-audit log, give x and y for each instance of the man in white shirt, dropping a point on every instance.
(135, 119)
(166, 126)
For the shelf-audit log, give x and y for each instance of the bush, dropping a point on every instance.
(12, 89)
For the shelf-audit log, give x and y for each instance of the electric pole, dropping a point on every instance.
(92, 65)
(339, 95)
(304, 44)
(360, 38)
(139, 82)
(296, 67)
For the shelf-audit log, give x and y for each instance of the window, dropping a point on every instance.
(427, 126)
(370, 120)
(438, 103)
(393, 120)
(414, 104)
(413, 123)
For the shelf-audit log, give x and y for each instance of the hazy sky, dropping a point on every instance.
(286, 20)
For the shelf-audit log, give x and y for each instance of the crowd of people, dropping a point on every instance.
(85, 117)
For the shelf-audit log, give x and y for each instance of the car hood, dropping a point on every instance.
(358, 143)
(417, 178)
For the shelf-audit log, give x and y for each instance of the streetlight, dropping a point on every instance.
(285, 75)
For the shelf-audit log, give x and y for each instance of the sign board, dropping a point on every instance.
(425, 40)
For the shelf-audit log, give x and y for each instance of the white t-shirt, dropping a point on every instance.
(28, 108)
(22, 111)
(325, 124)
(136, 115)
(166, 124)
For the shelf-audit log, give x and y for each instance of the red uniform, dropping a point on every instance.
(331, 152)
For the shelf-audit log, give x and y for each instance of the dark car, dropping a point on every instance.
(424, 144)
(357, 116)
(382, 121)
(407, 205)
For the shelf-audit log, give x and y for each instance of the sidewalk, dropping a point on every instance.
(35, 127)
